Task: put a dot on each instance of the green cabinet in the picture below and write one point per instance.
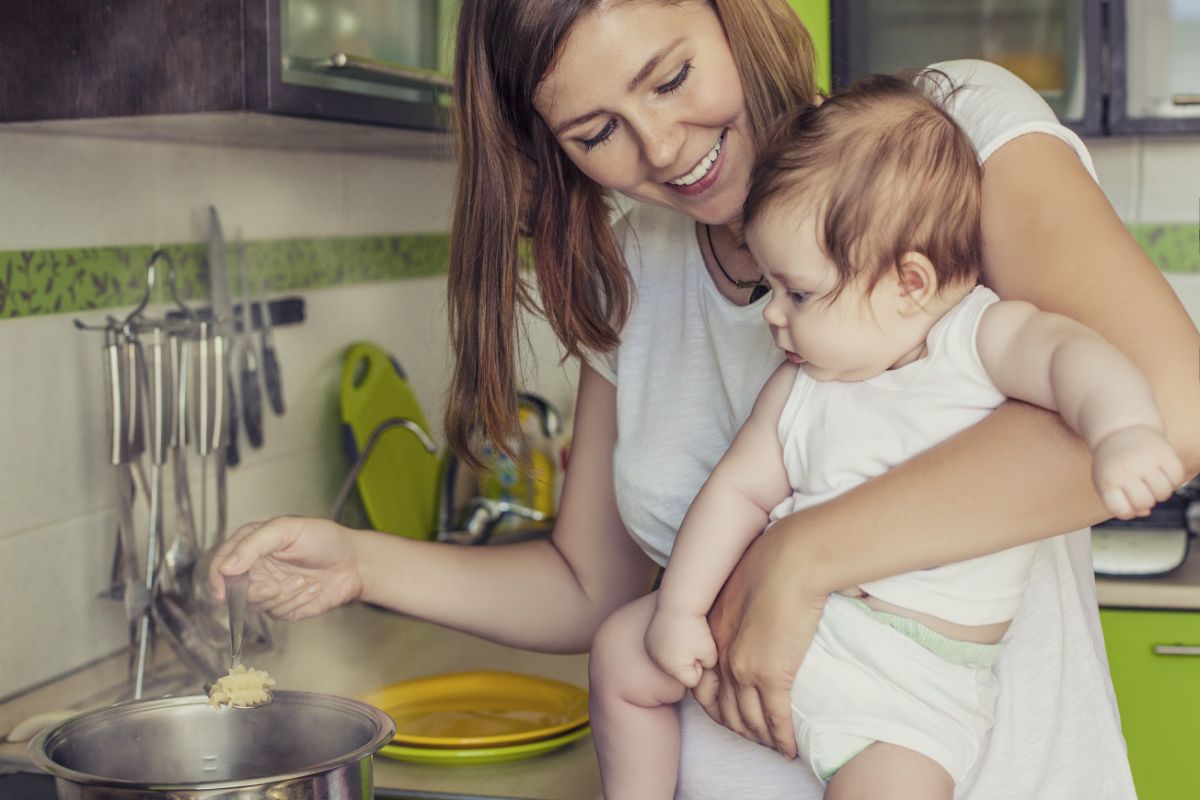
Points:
(815, 16)
(1155, 661)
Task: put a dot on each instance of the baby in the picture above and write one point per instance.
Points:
(864, 218)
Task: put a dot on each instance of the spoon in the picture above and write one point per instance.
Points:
(235, 596)
(236, 588)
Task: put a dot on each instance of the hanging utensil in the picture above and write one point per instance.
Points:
(179, 559)
(117, 386)
(156, 386)
(271, 373)
(223, 330)
(251, 388)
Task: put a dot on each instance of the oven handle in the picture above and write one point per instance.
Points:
(1176, 650)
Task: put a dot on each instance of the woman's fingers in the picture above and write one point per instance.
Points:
(751, 711)
(705, 693)
(777, 709)
(293, 601)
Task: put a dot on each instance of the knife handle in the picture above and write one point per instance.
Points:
(160, 407)
(232, 458)
(114, 401)
(252, 411)
(272, 377)
(133, 383)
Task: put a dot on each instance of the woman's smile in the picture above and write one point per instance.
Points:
(664, 120)
(704, 175)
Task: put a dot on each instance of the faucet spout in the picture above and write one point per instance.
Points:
(393, 422)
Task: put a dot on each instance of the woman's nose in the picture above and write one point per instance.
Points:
(662, 142)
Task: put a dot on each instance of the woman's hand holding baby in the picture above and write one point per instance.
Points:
(681, 645)
(1133, 468)
(299, 567)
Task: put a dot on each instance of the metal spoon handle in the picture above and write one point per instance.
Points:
(235, 595)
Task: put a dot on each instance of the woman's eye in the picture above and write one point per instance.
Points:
(675, 83)
(601, 137)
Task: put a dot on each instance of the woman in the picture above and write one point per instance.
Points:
(664, 102)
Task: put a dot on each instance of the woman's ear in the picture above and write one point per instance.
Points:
(918, 281)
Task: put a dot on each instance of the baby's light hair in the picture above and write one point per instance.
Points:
(885, 171)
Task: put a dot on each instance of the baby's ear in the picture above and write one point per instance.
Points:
(918, 281)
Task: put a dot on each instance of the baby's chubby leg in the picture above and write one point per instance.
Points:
(889, 772)
(635, 725)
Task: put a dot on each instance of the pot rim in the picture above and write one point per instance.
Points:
(39, 746)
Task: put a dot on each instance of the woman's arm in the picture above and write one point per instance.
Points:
(541, 595)
(1052, 239)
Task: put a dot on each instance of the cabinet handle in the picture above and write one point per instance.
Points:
(339, 61)
(1176, 650)
(1190, 99)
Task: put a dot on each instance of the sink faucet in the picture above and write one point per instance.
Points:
(481, 514)
(393, 422)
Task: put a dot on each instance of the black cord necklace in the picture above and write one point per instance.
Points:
(757, 286)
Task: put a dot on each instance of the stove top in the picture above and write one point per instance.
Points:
(27, 787)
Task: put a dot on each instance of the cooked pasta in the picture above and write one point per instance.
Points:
(242, 687)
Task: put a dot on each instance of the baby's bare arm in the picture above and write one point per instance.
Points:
(732, 506)
(1062, 365)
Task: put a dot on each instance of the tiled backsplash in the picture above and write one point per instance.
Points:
(363, 238)
(56, 281)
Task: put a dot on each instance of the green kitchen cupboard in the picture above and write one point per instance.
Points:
(1155, 661)
(815, 15)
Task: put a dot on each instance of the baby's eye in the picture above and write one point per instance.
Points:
(798, 297)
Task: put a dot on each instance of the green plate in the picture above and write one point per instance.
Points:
(482, 755)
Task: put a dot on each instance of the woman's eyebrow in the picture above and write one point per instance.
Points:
(643, 73)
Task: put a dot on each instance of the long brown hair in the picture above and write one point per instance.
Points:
(519, 196)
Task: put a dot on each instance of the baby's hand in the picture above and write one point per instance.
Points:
(681, 645)
(1133, 468)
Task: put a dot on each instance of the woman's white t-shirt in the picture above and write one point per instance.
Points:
(687, 373)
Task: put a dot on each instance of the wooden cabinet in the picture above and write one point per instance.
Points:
(72, 59)
(1155, 661)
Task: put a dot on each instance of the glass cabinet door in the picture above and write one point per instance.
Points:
(1155, 48)
(1045, 42)
(396, 49)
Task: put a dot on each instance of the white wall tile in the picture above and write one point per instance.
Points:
(1117, 164)
(1170, 190)
(51, 619)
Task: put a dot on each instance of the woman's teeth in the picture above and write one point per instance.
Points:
(701, 169)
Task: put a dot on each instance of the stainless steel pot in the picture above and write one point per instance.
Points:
(301, 745)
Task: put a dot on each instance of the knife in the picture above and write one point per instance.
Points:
(222, 311)
(251, 389)
(271, 374)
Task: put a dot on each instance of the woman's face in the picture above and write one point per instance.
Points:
(646, 100)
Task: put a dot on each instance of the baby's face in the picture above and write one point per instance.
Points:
(853, 336)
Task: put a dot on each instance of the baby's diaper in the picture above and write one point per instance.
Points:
(864, 680)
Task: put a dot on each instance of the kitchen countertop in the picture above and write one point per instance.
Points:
(1177, 590)
(351, 651)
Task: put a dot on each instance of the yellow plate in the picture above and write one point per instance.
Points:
(480, 709)
(482, 755)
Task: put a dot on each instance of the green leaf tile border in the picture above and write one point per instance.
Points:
(1173, 248)
(56, 281)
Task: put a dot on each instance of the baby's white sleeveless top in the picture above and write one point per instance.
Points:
(836, 435)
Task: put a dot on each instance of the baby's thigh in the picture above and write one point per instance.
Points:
(619, 666)
(889, 772)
